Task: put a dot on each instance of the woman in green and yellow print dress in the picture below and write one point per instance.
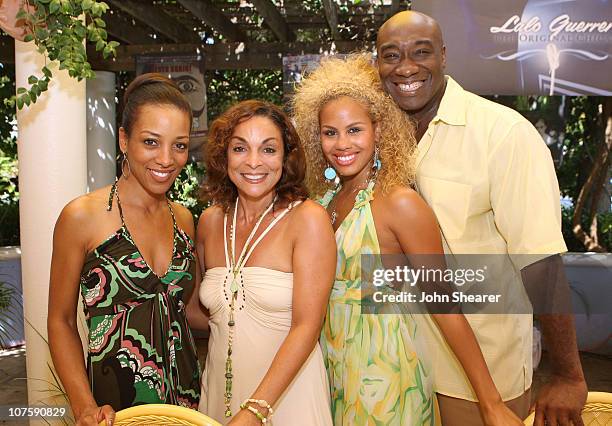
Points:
(354, 134)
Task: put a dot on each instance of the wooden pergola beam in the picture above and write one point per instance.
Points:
(157, 19)
(214, 18)
(331, 14)
(126, 32)
(223, 56)
(274, 19)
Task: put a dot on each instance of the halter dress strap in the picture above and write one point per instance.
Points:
(115, 193)
(120, 209)
(227, 261)
(111, 195)
(242, 259)
(265, 232)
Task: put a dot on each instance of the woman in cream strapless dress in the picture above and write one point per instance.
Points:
(266, 288)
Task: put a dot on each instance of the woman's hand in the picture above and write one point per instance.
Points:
(93, 415)
(245, 418)
(498, 414)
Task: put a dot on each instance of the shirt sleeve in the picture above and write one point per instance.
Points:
(525, 196)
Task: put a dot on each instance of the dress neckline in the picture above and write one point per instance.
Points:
(362, 197)
(123, 230)
(263, 268)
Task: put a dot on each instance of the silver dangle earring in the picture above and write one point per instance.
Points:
(123, 164)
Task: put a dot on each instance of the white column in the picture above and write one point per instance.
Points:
(52, 170)
(101, 133)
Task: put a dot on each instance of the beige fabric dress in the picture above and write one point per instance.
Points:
(263, 319)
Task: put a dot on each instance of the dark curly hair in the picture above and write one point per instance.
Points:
(218, 188)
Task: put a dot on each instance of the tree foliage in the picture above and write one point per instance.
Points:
(583, 166)
(9, 193)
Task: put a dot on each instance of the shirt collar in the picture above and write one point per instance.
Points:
(452, 109)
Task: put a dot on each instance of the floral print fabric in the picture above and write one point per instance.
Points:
(375, 375)
(140, 347)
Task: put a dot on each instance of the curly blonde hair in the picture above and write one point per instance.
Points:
(355, 77)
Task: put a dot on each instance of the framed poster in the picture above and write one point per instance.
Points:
(188, 72)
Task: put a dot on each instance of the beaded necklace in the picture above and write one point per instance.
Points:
(235, 272)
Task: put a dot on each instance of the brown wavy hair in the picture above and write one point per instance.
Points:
(218, 187)
(355, 77)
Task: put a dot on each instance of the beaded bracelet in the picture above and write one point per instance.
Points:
(255, 411)
(262, 403)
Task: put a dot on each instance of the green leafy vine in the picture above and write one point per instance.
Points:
(59, 28)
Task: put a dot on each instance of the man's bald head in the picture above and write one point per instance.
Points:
(410, 20)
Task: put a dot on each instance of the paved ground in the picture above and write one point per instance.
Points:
(13, 388)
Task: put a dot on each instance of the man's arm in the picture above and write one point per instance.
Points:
(562, 398)
(525, 198)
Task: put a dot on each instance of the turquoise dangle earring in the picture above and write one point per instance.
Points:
(330, 173)
(376, 164)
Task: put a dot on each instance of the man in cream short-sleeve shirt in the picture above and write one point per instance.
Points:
(490, 180)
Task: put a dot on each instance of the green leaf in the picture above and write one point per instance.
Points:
(96, 10)
(100, 44)
(80, 31)
(54, 7)
(47, 72)
(66, 7)
(28, 38)
(27, 99)
(40, 14)
(22, 14)
(33, 96)
(86, 4)
(32, 79)
(100, 22)
(113, 44)
(19, 102)
(41, 33)
(21, 90)
(43, 84)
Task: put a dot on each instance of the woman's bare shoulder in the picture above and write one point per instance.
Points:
(310, 211)
(310, 219)
(87, 207)
(183, 217)
(210, 219)
(81, 219)
(405, 202)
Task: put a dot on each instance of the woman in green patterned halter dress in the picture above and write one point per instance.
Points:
(133, 282)
(357, 138)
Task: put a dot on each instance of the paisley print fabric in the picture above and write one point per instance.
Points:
(140, 347)
(375, 375)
